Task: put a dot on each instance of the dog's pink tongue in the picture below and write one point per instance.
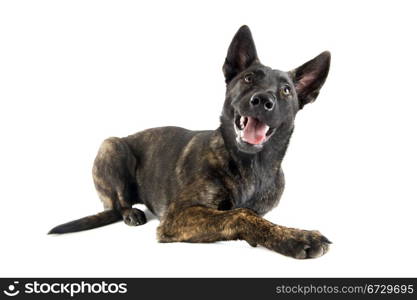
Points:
(254, 131)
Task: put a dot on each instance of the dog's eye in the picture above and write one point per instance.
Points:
(248, 78)
(285, 90)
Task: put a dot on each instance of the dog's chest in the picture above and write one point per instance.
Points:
(257, 192)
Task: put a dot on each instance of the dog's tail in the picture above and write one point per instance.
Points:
(101, 219)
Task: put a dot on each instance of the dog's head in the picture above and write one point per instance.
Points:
(261, 101)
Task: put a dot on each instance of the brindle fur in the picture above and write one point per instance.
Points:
(204, 185)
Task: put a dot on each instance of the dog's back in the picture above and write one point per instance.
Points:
(167, 157)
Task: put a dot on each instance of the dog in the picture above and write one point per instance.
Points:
(208, 186)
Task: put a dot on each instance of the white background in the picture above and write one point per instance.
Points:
(75, 72)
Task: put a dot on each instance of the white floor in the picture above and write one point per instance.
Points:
(368, 240)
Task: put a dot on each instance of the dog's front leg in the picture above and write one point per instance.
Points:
(200, 224)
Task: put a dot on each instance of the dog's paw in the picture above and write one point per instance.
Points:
(134, 217)
(301, 244)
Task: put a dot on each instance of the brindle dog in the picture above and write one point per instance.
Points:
(208, 186)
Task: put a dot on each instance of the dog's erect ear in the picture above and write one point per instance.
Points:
(310, 77)
(241, 53)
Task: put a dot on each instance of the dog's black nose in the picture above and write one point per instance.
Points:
(265, 100)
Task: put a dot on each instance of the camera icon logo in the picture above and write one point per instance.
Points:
(12, 290)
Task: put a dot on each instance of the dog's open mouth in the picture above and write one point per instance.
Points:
(252, 130)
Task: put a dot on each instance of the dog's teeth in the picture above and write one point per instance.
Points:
(266, 128)
(242, 122)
